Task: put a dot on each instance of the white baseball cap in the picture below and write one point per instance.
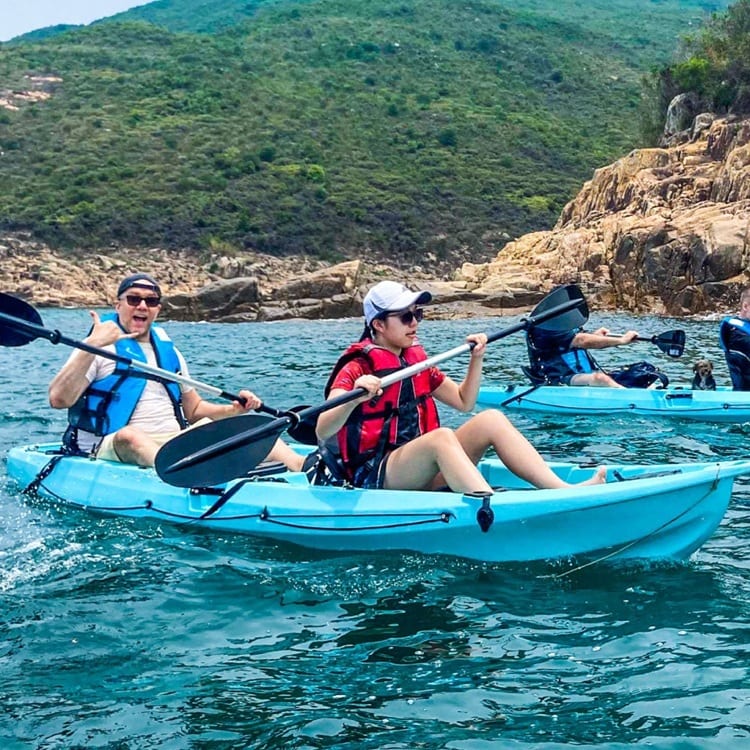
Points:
(390, 296)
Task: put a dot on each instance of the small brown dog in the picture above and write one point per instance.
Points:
(704, 378)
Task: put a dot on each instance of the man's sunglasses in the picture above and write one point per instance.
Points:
(408, 317)
(135, 299)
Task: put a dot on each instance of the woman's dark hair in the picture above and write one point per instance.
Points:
(369, 331)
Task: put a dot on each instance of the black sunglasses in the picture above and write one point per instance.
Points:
(409, 316)
(135, 299)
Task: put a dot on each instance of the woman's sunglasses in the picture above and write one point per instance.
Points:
(134, 300)
(408, 317)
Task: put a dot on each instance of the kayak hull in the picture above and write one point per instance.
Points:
(653, 512)
(721, 405)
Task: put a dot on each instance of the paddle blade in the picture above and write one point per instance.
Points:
(179, 462)
(12, 332)
(304, 431)
(568, 320)
(672, 343)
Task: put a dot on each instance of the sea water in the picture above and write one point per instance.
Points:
(127, 634)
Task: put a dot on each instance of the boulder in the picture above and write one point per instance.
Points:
(213, 301)
(327, 282)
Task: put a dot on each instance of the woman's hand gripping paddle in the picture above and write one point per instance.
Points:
(20, 324)
(195, 458)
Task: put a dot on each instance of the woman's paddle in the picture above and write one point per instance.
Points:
(20, 324)
(228, 449)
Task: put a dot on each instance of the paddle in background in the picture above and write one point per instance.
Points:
(20, 324)
(672, 343)
(228, 449)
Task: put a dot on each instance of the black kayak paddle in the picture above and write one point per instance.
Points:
(672, 343)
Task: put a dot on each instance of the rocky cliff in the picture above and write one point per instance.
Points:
(662, 230)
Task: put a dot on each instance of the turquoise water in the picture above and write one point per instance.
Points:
(125, 634)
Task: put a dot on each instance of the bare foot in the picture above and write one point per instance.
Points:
(599, 478)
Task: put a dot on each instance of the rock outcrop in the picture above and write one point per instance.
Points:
(663, 230)
(325, 293)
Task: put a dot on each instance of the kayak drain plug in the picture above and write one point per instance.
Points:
(485, 515)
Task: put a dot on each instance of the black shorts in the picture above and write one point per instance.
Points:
(371, 475)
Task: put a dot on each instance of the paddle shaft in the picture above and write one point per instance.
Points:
(650, 339)
(277, 426)
(55, 337)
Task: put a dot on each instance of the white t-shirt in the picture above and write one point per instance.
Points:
(154, 412)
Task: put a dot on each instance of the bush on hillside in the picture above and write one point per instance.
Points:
(715, 65)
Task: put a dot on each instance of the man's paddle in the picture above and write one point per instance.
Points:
(197, 458)
(20, 324)
(672, 343)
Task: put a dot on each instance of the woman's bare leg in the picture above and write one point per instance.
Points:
(414, 466)
(493, 429)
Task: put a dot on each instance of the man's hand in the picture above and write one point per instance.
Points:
(106, 333)
(252, 402)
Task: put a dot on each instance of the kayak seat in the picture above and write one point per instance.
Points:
(534, 377)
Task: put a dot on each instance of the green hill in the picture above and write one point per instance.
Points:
(326, 126)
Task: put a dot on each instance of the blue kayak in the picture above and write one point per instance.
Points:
(721, 405)
(664, 511)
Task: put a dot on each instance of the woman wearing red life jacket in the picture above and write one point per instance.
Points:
(392, 438)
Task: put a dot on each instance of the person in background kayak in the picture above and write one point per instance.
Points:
(562, 358)
(734, 337)
(121, 414)
(391, 438)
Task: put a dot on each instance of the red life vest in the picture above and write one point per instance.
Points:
(373, 427)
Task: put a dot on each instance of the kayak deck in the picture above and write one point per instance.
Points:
(721, 405)
(655, 512)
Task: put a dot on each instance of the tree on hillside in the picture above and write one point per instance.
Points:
(715, 68)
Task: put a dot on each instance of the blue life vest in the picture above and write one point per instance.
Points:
(731, 321)
(736, 350)
(551, 358)
(108, 404)
(578, 360)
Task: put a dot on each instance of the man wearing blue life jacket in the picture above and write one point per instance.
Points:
(562, 357)
(118, 413)
(734, 337)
